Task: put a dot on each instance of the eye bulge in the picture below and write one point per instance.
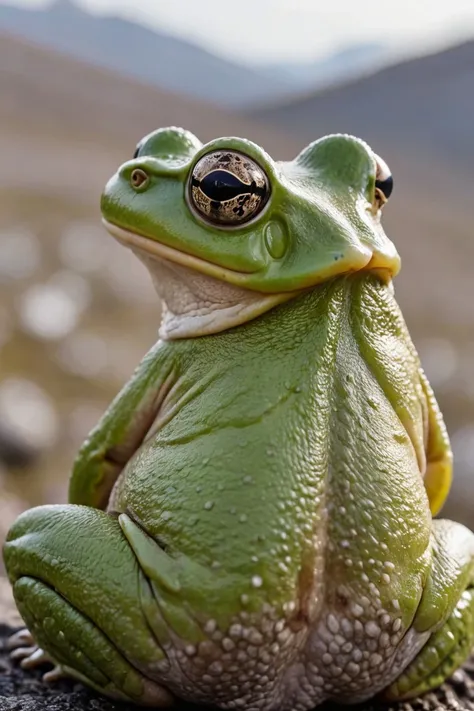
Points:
(228, 188)
(383, 178)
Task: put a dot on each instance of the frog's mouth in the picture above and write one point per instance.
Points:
(385, 265)
(162, 251)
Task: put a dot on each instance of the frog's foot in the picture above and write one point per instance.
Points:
(87, 618)
(447, 607)
(32, 656)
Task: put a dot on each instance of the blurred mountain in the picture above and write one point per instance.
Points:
(172, 63)
(342, 65)
(424, 104)
(77, 310)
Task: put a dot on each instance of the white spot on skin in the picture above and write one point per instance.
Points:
(236, 630)
(210, 626)
(375, 660)
(333, 624)
(357, 610)
(280, 626)
(255, 637)
(372, 629)
(257, 581)
(385, 579)
(190, 650)
(353, 669)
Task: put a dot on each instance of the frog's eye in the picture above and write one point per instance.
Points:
(228, 188)
(383, 180)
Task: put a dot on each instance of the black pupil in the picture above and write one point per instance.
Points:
(220, 185)
(386, 186)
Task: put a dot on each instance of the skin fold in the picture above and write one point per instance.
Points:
(250, 524)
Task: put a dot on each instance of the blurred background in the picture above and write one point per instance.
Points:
(81, 82)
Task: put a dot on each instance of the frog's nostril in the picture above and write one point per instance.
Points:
(139, 179)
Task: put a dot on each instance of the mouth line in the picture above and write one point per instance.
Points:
(162, 251)
(151, 248)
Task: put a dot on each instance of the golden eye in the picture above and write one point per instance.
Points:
(383, 180)
(228, 188)
(138, 178)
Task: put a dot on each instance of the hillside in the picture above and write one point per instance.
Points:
(175, 64)
(134, 50)
(424, 104)
(77, 311)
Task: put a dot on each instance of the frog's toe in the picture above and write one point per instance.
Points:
(77, 592)
(22, 638)
(30, 657)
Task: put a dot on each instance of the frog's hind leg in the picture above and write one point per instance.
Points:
(447, 610)
(76, 584)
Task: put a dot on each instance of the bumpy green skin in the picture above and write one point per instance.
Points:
(249, 524)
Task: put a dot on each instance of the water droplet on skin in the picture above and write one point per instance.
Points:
(208, 505)
(257, 581)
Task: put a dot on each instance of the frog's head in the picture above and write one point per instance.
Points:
(228, 211)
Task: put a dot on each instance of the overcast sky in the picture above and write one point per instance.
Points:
(273, 30)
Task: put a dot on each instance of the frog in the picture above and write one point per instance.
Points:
(252, 523)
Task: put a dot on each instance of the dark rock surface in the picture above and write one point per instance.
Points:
(24, 691)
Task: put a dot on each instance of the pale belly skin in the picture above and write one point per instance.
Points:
(287, 495)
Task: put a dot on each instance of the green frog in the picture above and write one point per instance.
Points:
(250, 524)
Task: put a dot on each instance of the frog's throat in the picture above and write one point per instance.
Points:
(200, 298)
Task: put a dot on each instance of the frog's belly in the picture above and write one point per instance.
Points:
(209, 498)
